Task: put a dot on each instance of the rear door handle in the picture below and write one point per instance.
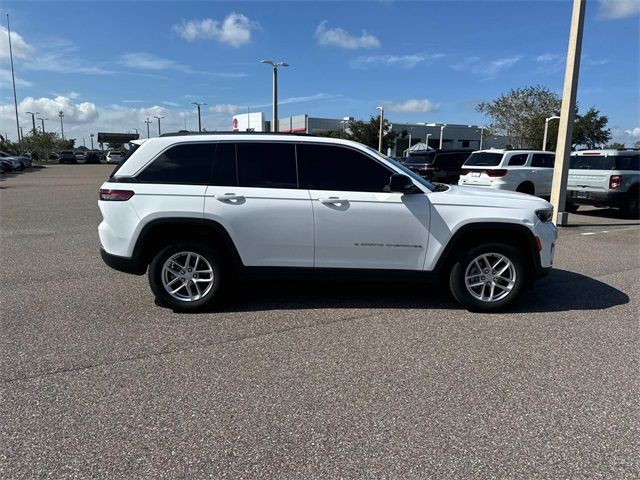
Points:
(333, 200)
(229, 196)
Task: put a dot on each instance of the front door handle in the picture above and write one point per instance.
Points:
(333, 200)
(229, 196)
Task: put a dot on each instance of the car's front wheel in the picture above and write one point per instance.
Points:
(186, 276)
(488, 277)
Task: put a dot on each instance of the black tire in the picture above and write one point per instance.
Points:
(631, 208)
(571, 207)
(164, 298)
(526, 187)
(458, 273)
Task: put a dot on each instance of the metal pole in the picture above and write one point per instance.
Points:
(248, 120)
(381, 128)
(91, 135)
(482, 136)
(13, 78)
(42, 121)
(441, 135)
(148, 122)
(567, 113)
(546, 128)
(61, 114)
(428, 135)
(159, 132)
(199, 120)
(274, 120)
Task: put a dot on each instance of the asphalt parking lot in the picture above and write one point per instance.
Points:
(307, 381)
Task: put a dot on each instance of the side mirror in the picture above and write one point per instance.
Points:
(400, 183)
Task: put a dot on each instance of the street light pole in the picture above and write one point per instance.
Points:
(567, 113)
(546, 128)
(381, 125)
(155, 116)
(427, 141)
(91, 135)
(481, 137)
(61, 115)
(42, 120)
(442, 134)
(148, 122)
(199, 120)
(275, 65)
(33, 120)
(13, 78)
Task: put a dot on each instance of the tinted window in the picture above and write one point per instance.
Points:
(270, 165)
(224, 170)
(328, 167)
(544, 160)
(483, 159)
(592, 162)
(628, 163)
(426, 157)
(519, 159)
(450, 160)
(182, 164)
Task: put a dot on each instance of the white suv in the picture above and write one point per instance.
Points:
(525, 171)
(195, 210)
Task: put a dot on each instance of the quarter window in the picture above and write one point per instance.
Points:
(267, 165)
(543, 160)
(517, 160)
(182, 164)
(329, 167)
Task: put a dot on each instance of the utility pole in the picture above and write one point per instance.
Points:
(13, 78)
(199, 119)
(148, 122)
(91, 135)
(61, 115)
(381, 128)
(42, 120)
(275, 65)
(481, 137)
(567, 113)
(546, 128)
(33, 120)
(442, 134)
(158, 117)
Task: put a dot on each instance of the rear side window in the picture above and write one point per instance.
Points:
(592, 162)
(187, 164)
(224, 171)
(543, 160)
(628, 163)
(519, 159)
(267, 165)
(483, 159)
(329, 167)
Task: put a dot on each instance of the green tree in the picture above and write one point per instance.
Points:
(520, 114)
(614, 146)
(44, 144)
(368, 132)
(589, 130)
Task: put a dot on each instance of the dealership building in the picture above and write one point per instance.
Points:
(436, 135)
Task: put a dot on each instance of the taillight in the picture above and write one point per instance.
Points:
(496, 172)
(115, 195)
(464, 172)
(615, 181)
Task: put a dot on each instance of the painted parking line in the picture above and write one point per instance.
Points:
(615, 230)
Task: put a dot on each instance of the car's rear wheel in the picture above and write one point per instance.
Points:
(526, 187)
(186, 276)
(488, 277)
(631, 208)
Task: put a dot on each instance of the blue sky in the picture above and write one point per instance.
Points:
(109, 65)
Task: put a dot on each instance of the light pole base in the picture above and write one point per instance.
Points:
(562, 219)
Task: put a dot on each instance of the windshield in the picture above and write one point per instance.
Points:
(483, 159)
(430, 186)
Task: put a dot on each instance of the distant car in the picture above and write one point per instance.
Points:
(67, 156)
(18, 162)
(438, 165)
(114, 157)
(605, 178)
(525, 171)
(91, 157)
(79, 155)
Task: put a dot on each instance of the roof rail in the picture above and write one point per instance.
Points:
(180, 133)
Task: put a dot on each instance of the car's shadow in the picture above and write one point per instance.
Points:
(616, 216)
(560, 291)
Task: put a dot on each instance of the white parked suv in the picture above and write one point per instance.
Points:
(195, 210)
(114, 157)
(525, 171)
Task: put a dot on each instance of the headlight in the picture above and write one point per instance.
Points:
(545, 215)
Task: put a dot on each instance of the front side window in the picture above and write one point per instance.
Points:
(186, 164)
(330, 167)
(543, 160)
(266, 165)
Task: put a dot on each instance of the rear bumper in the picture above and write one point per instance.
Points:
(123, 264)
(607, 199)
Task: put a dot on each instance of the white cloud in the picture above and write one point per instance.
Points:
(550, 58)
(147, 61)
(5, 79)
(20, 48)
(401, 61)
(337, 37)
(74, 113)
(411, 106)
(235, 29)
(486, 69)
(635, 132)
(170, 104)
(224, 108)
(132, 101)
(59, 56)
(613, 9)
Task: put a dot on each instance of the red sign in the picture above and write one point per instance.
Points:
(235, 124)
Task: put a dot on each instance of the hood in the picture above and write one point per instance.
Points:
(486, 197)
